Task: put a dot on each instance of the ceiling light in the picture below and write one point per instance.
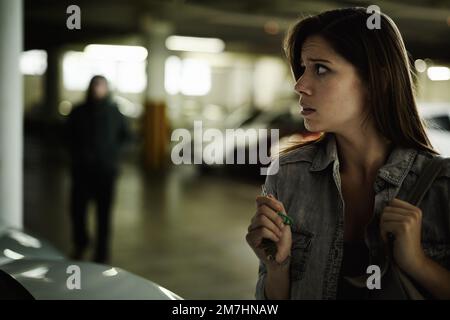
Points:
(438, 73)
(210, 45)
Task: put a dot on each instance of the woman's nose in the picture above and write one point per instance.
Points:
(302, 87)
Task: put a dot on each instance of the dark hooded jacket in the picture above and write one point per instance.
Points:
(96, 131)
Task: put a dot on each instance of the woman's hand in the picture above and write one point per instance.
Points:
(267, 224)
(404, 221)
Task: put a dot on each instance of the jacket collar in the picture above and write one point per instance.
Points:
(393, 171)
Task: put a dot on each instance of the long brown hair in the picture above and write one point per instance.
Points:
(90, 91)
(381, 60)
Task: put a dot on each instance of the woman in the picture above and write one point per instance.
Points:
(344, 190)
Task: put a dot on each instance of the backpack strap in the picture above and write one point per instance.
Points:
(427, 176)
(425, 180)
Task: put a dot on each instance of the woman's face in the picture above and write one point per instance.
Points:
(331, 86)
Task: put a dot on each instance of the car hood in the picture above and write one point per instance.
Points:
(53, 280)
(17, 245)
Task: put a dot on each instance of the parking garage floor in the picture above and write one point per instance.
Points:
(180, 229)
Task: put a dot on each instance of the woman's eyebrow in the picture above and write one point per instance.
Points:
(316, 60)
(319, 60)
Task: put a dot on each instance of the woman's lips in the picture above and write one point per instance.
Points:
(307, 111)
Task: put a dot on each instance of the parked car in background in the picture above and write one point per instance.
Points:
(241, 117)
(437, 119)
(287, 121)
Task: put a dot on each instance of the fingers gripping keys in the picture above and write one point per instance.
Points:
(269, 246)
(286, 219)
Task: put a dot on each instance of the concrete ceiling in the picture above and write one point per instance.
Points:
(425, 24)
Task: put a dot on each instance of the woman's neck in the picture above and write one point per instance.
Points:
(362, 153)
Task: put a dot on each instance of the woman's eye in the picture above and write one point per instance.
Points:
(321, 69)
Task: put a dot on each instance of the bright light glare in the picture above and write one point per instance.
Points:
(131, 77)
(33, 62)
(179, 43)
(12, 254)
(438, 73)
(24, 239)
(76, 71)
(36, 273)
(110, 272)
(117, 53)
(124, 69)
(421, 65)
(191, 77)
(172, 73)
(170, 294)
(195, 78)
(65, 107)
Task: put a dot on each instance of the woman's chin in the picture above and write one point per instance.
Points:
(313, 128)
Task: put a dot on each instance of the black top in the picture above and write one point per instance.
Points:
(95, 134)
(355, 262)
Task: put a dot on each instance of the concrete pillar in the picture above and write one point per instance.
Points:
(156, 33)
(156, 135)
(52, 85)
(11, 114)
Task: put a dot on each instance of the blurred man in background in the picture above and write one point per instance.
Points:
(96, 132)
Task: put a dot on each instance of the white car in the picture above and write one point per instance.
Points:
(437, 118)
(31, 268)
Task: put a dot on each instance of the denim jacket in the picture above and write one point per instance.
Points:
(308, 184)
